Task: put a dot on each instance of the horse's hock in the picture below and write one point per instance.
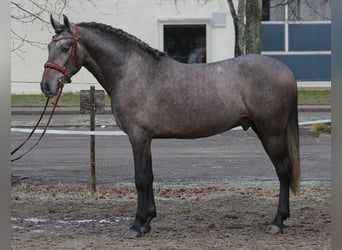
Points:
(85, 101)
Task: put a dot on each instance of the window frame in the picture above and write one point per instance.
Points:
(195, 21)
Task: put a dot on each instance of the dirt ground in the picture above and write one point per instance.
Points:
(212, 217)
(210, 194)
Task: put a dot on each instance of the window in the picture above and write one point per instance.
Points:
(309, 10)
(296, 10)
(273, 10)
(186, 43)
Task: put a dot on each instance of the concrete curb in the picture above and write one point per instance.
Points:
(314, 108)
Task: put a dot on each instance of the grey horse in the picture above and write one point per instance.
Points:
(154, 96)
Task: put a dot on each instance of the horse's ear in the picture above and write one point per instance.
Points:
(66, 23)
(56, 25)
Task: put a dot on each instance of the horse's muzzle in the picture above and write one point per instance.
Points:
(47, 90)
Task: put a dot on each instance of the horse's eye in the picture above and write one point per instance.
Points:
(65, 49)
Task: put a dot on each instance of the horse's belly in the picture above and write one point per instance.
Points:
(196, 127)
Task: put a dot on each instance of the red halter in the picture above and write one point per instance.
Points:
(66, 69)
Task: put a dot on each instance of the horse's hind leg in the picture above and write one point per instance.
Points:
(146, 209)
(276, 147)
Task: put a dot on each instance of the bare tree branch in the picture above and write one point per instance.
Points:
(30, 13)
(33, 12)
(64, 3)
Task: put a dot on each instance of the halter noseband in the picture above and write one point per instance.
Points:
(66, 69)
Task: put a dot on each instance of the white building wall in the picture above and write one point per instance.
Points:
(142, 18)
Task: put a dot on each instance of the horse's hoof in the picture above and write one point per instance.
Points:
(132, 234)
(144, 229)
(273, 229)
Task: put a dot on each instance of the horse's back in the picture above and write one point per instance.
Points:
(252, 82)
(260, 70)
(192, 101)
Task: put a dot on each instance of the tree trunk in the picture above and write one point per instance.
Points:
(253, 26)
(239, 26)
(242, 27)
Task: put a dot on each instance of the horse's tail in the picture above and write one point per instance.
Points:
(293, 148)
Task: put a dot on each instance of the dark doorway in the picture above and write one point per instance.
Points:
(186, 43)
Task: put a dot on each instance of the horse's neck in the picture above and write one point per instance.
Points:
(111, 61)
(103, 64)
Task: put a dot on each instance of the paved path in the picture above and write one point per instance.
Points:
(234, 157)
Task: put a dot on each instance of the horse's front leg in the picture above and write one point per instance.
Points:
(146, 209)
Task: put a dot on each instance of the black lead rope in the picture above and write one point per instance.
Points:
(33, 130)
(35, 127)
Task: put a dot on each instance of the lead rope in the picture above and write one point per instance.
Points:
(35, 127)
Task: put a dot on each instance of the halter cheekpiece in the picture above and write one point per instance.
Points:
(66, 69)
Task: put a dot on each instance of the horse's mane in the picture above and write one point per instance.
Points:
(124, 36)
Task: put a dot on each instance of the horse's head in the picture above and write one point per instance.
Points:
(65, 57)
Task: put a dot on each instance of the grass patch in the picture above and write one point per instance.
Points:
(314, 96)
(68, 99)
(304, 97)
(27, 100)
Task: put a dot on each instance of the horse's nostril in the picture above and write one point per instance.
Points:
(45, 88)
